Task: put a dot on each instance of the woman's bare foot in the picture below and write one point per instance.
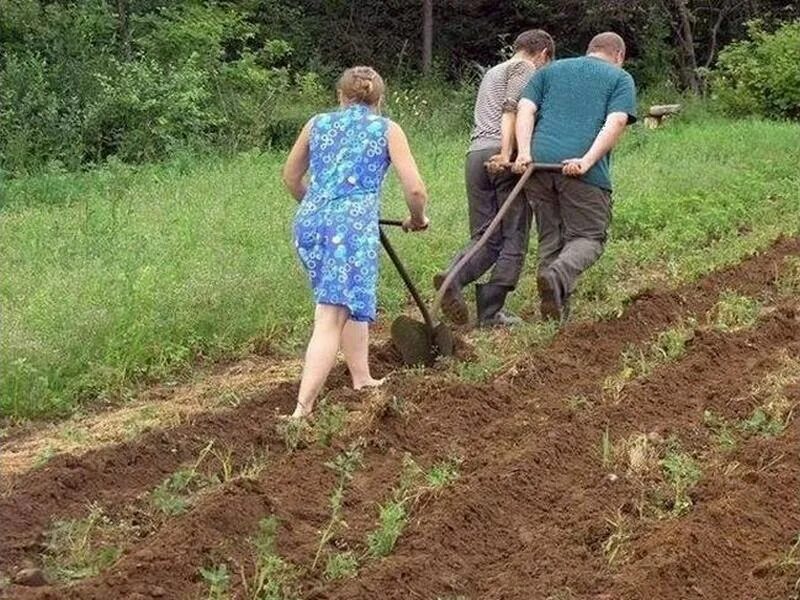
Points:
(302, 410)
(368, 383)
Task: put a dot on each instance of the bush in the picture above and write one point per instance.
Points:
(759, 76)
(192, 75)
(146, 111)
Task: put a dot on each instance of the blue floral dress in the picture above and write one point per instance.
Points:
(336, 227)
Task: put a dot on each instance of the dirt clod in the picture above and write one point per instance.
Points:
(30, 577)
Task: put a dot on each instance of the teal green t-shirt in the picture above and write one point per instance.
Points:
(574, 96)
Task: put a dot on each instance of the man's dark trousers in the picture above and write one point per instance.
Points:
(507, 247)
(572, 219)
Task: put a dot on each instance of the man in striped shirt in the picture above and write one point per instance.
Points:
(493, 140)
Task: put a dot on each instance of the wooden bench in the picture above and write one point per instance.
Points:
(658, 113)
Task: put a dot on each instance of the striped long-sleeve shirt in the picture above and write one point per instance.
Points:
(499, 92)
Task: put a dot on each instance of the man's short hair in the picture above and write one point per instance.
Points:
(534, 41)
(607, 43)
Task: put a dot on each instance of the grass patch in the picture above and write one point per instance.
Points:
(681, 473)
(329, 421)
(486, 363)
(341, 565)
(392, 519)
(294, 432)
(274, 578)
(774, 410)
(640, 361)
(107, 285)
(82, 548)
(734, 312)
(788, 281)
(764, 422)
(414, 483)
(173, 496)
(344, 465)
(218, 580)
(44, 456)
(723, 433)
(442, 474)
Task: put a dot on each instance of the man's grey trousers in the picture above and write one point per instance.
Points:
(507, 247)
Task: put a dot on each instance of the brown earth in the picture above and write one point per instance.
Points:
(534, 506)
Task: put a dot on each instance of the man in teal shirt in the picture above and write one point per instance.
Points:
(580, 108)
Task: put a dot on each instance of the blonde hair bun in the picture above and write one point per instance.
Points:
(361, 85)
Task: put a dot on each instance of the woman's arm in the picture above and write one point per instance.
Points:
(297, 165)
(413, 187)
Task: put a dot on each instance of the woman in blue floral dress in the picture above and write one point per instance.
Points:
(346, 155)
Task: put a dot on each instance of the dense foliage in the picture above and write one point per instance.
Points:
(82, 81)
(761, 75)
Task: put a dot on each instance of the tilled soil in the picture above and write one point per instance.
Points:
(534, 508)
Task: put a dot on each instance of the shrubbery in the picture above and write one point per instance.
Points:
(189, 76)
(760, 76)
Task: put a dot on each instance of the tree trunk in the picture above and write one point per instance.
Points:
(122, 30)
(686, 37)
(427, 36)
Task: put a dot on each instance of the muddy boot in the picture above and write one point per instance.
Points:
(454, 306)
(551, 296)
(489, 299)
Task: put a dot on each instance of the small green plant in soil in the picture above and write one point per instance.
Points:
(254, 465)
(344, 465)
(442, 474)
(82, 548)
(640, 361)
(329, 422)
(393, 514)
(721, 430)
(392, 520)
(734, 312)
(173, 495)
(294, 432)
(218, 580)
(681, 473)
(487, 363)
(341, 565)
(670, 344)
(764, 423)
(274, 578)
(579, 402)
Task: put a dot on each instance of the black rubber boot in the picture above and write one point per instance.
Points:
(489, 298)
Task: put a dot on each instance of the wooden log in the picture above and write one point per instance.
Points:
(659, 111)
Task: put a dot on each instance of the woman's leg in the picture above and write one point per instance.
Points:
(355, 346)
(329, 320)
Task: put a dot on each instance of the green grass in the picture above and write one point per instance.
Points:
(121, 276)
(734, 312)
(682, 473)
(82, 548)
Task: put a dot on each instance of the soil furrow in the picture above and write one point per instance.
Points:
(520, 424)
(536, 510)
